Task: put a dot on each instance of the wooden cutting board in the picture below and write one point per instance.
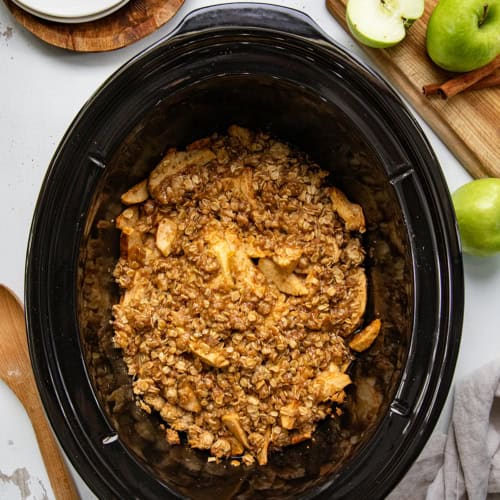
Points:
(469, 123)
(129, 24)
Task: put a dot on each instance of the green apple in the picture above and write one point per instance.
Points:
(477, 207)
(382, 23)
(463, 35)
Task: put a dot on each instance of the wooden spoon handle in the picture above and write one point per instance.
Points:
(18, 374)
(59, 475)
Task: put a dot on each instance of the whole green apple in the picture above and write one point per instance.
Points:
(477, 207)
(463, 35)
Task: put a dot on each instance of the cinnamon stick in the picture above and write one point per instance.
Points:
(464, 81)
(431, 89)
(485, 83)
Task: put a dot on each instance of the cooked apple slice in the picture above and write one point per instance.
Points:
(222, 251)
(215, 357)
(264, 447)
(233, 424)
(285, 281)
(382, 23)
(287, 258)
(127, 221)
(187, 398)
(288, 415)
(131, 246)
(329, 385)
(350, 213)
(357, 285)
(136, 194)
(173, 164)
(166, 234)
(365, 338)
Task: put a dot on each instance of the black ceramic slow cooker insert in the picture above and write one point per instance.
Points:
(266, 68)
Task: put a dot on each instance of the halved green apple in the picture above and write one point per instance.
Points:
(382, 23)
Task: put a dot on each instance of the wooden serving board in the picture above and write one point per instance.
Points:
(129, 24)
(469, 123)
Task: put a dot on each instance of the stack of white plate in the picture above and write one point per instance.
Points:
(70, 11)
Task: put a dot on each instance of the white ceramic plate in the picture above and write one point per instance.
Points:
(112, 6)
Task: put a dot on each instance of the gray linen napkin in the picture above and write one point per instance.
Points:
(465, 463)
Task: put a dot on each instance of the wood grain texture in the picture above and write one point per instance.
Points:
(469, 123)
(16, 372)
(127, 25)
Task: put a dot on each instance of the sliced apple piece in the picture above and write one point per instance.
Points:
(329, 385)
(127, 221)
(222, 251)
(285, 281)
(288, 415)
(233, 424)
(357, 284)
(173, 164)
(287, 258)
(263, 449)
(131, 246)
(365, 338)
(215, 357)
(382, 23)
(166, 234)
(350, 213)
(187, 398)
(136, 194)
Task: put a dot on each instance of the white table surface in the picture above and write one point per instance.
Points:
(41, 90)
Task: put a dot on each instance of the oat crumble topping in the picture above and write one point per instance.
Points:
(242, 291)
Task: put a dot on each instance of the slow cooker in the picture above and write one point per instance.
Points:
(267, 68)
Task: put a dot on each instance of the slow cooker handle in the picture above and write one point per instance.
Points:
(249, 15)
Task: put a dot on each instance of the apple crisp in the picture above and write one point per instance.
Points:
(242, 294)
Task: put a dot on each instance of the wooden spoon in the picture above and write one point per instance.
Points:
(16, 372)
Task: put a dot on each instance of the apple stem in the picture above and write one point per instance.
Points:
(484, 15)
